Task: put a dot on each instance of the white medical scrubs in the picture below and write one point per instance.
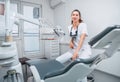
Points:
(85, 50)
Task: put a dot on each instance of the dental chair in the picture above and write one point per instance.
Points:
(53, 71)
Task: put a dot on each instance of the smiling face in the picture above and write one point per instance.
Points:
(75, 16)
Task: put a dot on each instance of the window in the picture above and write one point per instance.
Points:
(28, 33)
(31, 31)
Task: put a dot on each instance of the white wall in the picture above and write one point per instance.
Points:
(98, 14)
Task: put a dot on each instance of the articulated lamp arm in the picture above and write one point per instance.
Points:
(22, 17)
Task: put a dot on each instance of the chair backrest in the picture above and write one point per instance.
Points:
(102, 34)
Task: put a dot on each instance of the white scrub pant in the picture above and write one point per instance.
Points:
(84, 80)
(68, 55)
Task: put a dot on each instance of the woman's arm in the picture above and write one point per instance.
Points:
(82, 38)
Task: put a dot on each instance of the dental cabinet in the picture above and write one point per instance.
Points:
(51, 49)
(64, 47)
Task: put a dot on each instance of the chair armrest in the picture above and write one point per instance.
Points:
(88, 60)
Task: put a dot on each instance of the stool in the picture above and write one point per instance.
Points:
(22, 61)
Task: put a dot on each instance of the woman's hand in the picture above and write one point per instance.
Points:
(75, 56)
(71, 45)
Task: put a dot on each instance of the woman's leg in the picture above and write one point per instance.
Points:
(64, 57)
(85, 54)
(83, 80)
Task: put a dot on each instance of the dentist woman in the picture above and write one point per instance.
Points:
(79, 47)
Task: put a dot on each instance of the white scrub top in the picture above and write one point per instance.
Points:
(82, 28)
